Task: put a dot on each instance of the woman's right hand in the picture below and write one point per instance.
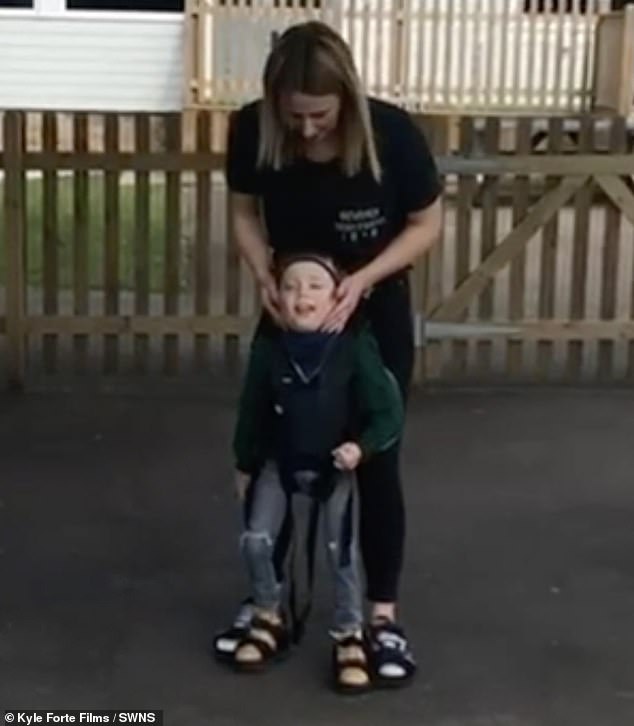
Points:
(269, 297)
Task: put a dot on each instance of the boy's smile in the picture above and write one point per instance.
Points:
(304, 309)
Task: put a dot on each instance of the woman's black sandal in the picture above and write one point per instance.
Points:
(271, 641)
(350, 668)
(393, 664)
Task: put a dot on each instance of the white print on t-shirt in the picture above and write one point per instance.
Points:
(354, 225)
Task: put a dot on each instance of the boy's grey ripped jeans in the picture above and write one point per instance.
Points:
(265, 518)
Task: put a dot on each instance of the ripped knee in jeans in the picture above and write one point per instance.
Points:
(256, 543)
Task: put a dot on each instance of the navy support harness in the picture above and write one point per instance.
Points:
(314, 413)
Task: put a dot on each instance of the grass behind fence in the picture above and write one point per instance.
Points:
(96, 222)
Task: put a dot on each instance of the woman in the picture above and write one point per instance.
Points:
(316, 165)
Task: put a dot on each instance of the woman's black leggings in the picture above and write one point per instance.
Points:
(382, 511)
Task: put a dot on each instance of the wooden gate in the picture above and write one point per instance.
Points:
(116, 254)
(538, 237)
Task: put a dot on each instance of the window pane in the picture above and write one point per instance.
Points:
(553, 6)
(16, 3)
(169, 6)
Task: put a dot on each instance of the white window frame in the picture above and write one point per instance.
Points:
(57, 9)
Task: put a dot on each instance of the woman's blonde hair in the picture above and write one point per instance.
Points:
(312, 58)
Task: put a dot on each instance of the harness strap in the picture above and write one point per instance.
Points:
(300, 604)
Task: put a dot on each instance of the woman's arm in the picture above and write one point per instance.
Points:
(245, 188)
(249, 236)
(421, 232)
(418, 189)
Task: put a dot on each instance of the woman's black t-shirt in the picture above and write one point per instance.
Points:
(311, 205)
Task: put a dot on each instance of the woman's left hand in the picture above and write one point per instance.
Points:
(348, 294)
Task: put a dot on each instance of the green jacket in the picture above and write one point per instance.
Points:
(377, 400)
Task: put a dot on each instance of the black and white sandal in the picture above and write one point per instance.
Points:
(226, 641)
(392, 661)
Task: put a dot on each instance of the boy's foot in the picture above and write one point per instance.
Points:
(392, 661)
(226, 641)
(267, 640)
(350, 668)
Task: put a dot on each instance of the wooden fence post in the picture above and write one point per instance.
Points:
(14, 235)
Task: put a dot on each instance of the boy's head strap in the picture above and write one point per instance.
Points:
(324, 262)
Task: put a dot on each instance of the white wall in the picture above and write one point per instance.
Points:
(95, 61)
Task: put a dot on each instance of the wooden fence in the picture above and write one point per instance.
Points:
(434, 56)
(114, 254)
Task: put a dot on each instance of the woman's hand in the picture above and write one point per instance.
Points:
(270, 299)
(241, 481)
(351, 289)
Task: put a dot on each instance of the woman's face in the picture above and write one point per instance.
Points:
(313, 118)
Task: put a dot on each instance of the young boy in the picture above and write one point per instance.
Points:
(314, 406)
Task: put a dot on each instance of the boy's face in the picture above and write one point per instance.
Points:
(307, 295)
